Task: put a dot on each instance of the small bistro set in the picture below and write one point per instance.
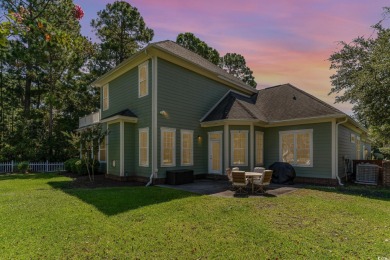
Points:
(256, 180)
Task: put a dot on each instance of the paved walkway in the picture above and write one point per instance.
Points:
(222, 188)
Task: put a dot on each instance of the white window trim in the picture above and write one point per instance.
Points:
(262, 148)
(295, 132)
(162, 130)
(108, 97)
(145, 64)
(182, 132)
(143, 130)
(232, 132)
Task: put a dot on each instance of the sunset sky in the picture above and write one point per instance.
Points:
(283, 41)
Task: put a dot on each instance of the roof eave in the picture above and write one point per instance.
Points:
(232, 122)
(305, 120)
(117, 118)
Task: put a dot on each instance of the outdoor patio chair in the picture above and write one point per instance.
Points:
(228, 172)
(239, 181)
(264, 181)
(259, 170)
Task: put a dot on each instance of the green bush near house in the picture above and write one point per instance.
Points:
(70, 165)
(78, 166)
(23, 167)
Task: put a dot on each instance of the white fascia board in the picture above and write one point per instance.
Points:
(118, 118)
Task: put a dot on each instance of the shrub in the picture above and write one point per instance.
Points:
(82, 167)
(23, 167)
(70, 165)
(385, 151)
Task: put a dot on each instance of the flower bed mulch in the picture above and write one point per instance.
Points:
(99, 182)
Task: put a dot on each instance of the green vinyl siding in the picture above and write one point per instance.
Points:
(123, 94)
(186, 97)
(129, 149)
(322, 149)
(347, 149)
(114, 149)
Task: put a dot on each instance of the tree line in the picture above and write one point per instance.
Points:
(47, 65)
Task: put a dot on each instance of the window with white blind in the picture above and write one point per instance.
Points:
(296, 147)
(358, 151)
(168, 145)
(259, 148)
(239, 147)
(143, 141)
(187, 146)
(105, 97)
(102, 150)
(143, 79)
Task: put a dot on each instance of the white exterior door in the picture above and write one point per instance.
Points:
(215, 152)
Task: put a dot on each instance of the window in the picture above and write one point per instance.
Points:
(143, 142)
(143, 79)
(168, 152)
(353, 138)
(296, 147)
(358, 148)
(102, 150)
(239, 147)
(187, 145)
(105, 97)
(259, 148)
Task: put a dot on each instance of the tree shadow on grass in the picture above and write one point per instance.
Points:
(371, 192)
(116, 200)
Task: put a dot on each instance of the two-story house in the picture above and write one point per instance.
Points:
(168, 108)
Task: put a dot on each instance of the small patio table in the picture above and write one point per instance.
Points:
(251, 176)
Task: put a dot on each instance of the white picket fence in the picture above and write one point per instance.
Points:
(8, 167)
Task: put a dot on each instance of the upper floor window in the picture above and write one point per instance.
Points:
(143, 79)
(259, 148)
(296, 147)
(187, 147)
(239, 147)
(105, 97)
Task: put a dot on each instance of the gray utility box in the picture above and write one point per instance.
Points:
(176, 177)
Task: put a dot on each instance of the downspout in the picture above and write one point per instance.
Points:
(337, 150)
(154, 170)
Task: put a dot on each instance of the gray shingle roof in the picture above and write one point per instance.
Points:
(126, 112)
(278, 103)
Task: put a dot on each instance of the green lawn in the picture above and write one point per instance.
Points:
(41, 218)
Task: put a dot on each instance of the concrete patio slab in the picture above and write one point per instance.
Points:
(222, 188)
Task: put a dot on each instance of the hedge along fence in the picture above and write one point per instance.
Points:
(12, 166)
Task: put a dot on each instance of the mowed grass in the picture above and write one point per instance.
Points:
(41, 218)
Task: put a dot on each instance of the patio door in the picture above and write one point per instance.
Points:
(215, 152)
